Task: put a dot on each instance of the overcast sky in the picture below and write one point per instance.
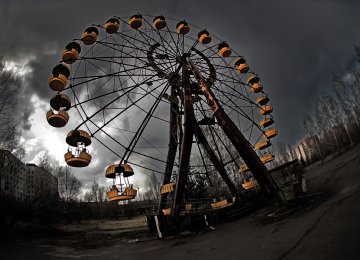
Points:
(294, 46)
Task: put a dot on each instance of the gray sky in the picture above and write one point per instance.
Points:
(294, 46)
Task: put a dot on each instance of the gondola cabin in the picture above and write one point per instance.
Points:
(58, 119)
(135, 21)
(182, 27)
(243, 168)
(224, 50)
(250, 184)
(60, 102)
(261, 101)
(115, 194)
(266, 122)
(241, 66)
(90, 35)
(78, 136)
(166, 211)
(81, 159)
(267, 158)
(255, 84)
(270, 133)
(159, 22)
(78, 157)
(261, 145)
(204, 37)
(125, 169)
(219, 204)
(252, 79)
(59, 78)
(71, 53)
(265, 110)
(223, 203)
(166, 188)
(256, 87)
(112, 25)
(188, 207)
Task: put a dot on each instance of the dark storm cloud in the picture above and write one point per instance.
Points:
(41, 29)
(294, 46)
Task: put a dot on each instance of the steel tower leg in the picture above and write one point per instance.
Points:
(186, 142)
(235, 136)
(173, 137)
(215, 160)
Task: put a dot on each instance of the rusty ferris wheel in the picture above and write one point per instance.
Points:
(158, 92)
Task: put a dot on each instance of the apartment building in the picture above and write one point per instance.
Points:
(24, 182)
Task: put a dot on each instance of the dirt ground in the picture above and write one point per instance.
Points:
(326, 228)
(136, 222)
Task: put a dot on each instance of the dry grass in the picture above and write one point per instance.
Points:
(106, 225)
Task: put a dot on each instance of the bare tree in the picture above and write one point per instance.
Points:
(10, 86)
(154, 185)
(69, 185)
(97, 196)
(309, 125)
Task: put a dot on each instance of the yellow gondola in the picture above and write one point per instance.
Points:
(182, 27)
(166, 211)
(82, 160)
(135, 21)
(204, 37)
(266, 122)
(255, 84)
(169, 187)
(58, 119)
(125, 169)
(71, 53)
(78, 136)
(60, 101)
(59, 78)
(159, 22)
(243, 168)
(224, 50)
(262, 145)
(90, 35)
(115, 195)
(250, 184)
(252, 79)
(265, 110)
(262, 100)
(188, 207)
(267, 158)
(241, 65)
(112, 25)
(256, 88)
(221, 204)
(79, 157)
(270, 133)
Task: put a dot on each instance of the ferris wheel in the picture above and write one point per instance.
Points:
(165, 97)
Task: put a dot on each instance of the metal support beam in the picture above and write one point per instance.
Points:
(186, 142)
(173, 137)
(235, 136)
(215, 160)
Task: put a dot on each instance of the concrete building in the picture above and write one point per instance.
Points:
(40, 182)
(24, 182)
